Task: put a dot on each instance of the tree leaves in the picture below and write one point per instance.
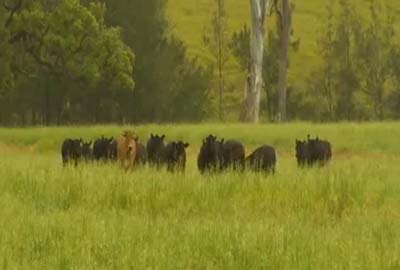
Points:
(70, 40)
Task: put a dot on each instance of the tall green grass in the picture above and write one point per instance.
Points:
(344, 216)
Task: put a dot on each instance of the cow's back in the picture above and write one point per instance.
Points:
(233, 154)
(263, 158)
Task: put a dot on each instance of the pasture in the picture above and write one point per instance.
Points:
(95, 216)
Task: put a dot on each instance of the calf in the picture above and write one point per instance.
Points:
(210, 155)
(233, 155)
(175, 156)
(155, 150)
(126, 149)
(71, 150)
(262, 159)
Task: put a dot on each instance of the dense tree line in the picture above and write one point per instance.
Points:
(104, 61)
(358, 78)
(71, 61)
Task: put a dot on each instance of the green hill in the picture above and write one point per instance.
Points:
(189, 18)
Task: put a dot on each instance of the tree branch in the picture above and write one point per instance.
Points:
(80, 46)
(12, 11)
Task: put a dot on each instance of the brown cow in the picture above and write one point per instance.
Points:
(126, 149)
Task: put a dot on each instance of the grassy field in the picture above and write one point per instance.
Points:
(344, 216)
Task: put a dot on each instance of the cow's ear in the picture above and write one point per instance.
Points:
(222, 141)
(163, 137)
(90, 143)
(136, 138)
(151, 135)
(186, 145)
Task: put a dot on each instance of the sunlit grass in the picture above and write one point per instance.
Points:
(344, 216)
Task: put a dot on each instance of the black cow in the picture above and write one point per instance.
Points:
(155, 150)
(175, 156)
(87, 153)
(320, 151)
(233, 155)
(210, 155)
(112, 151)
(101, 148)
(141, 154)
(71, 151)
(312, 152)
(302, 153)
(263, 159)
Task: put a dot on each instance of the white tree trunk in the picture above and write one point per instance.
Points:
(254, 82)
(284, 36)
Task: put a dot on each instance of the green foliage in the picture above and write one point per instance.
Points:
(354, 79)
(52, 49)
(97, 216)
(375, 50)
(163, 71)
(78, 62)
(68, 40)
(216, 40)
(240, 45)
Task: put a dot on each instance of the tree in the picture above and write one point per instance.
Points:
(240, 47)
(271, 75)
(322, 81)
(284, 25)
(161, 63)
(60, 44)
(375, 44)
(251, 104)
(217, 43)
(334, 85)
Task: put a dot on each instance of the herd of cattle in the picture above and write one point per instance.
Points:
(215, 154)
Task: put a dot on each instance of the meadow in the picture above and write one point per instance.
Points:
(343, 216)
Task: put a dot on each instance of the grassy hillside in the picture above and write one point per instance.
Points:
(344, 216)
(189, 18)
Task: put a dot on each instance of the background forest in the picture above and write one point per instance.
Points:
(134, 61)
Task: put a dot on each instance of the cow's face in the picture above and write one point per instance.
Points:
(131, 145)
(302, 152)
(155, 146)
(213, 148)
(112, 150)
(77, 148)
(87, 150)
(178, 149)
